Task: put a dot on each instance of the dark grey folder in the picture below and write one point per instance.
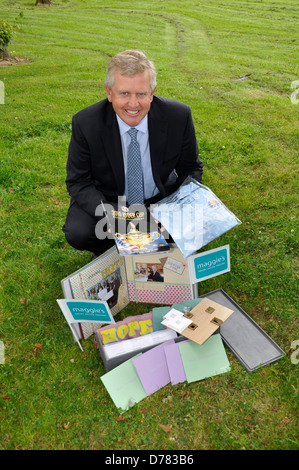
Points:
(244, 337)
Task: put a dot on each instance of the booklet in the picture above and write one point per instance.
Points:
(206, 360)
(124, 386)
(152, 369)
(135, 231)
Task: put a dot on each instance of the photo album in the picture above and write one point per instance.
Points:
(115, 281)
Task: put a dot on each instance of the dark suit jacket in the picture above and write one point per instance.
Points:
(95, 169)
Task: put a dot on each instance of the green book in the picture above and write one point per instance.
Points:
(205, 360)
(123, 385)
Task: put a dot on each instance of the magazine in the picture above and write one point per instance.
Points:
(134, 229)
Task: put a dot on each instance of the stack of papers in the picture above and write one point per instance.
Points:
(135, 344)
(170, 362)
(160, 312)
(176, 320)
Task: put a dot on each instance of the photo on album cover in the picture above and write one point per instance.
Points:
(148, 272)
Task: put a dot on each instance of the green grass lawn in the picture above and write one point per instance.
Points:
(51, 395)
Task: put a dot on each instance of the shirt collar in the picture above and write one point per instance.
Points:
(123, 127)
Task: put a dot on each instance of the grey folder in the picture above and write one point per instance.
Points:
(244, 337)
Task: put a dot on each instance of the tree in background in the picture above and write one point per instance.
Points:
(43, 2)
(6, 34)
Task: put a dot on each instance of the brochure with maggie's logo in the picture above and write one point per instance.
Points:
(207, 264)
(92, 311)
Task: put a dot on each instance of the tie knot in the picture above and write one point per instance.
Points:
(132, 133)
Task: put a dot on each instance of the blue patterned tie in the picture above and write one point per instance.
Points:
(134, 170)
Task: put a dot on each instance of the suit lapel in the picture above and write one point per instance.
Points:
(113, 148)
(157, 127)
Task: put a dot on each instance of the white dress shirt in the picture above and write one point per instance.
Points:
(149, 186)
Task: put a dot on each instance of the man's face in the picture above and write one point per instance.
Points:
(131, 97)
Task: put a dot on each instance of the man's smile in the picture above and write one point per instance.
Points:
(133, 113)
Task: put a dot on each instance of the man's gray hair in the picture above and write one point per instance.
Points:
(130, 63)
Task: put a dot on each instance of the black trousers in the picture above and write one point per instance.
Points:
(80, 231)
